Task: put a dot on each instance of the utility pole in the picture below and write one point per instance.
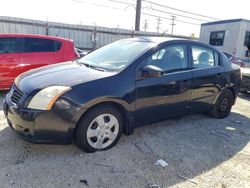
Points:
(158, 24)
(138, 15)
(47, 26)
(145, 26)
(173, 24)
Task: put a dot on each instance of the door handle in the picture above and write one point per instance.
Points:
(219, 75)
(172, 83)
(10, 59)
(186, 81)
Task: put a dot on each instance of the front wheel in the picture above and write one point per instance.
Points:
(99, 129)
(223, 105)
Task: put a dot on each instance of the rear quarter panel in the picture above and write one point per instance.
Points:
(69, 53)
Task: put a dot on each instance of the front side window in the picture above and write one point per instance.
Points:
(170, 59)
(8, 45)
(217, 38)
(204, 57)
(41, 45)
(247, 38)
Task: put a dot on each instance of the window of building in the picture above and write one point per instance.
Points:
(217, 38)
(247, 38)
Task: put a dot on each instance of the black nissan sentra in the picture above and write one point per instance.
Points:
(118, 87)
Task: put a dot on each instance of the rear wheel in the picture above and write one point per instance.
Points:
(99, 129)
(223, 105)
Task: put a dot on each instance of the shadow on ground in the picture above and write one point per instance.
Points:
(191, 145)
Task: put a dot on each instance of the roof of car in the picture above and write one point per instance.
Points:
(158, 40)
(35, 36)
(153, 39)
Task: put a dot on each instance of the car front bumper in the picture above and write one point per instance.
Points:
(53, 126)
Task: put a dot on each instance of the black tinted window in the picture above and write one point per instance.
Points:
(41, 45)
(204, 57)
(8, 45)
(171, 58)
(217, 38)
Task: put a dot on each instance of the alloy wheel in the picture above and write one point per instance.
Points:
(102, 131)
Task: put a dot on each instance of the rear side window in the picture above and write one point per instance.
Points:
(41, 45)
(204, 57)
(8, 45)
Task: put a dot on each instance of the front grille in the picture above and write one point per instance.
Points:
(16, 94)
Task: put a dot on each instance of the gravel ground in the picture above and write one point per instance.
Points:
(208, 152)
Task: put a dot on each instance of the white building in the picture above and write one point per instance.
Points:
(229, 36)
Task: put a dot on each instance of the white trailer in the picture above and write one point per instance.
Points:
(229, 36)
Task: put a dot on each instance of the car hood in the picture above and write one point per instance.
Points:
(62, 74)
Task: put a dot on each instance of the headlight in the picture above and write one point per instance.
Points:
(45, 98)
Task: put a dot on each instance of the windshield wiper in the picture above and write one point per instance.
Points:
(93, 67)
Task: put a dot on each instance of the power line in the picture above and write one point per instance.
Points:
(157, 16)
(184, 11)
(122, 2)
(166, 12)
(96, 4)
(189, 17)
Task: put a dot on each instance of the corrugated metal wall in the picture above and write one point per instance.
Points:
(82, 35)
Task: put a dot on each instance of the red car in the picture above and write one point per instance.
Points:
(22, 52)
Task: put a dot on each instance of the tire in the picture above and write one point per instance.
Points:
(100, 129)
(223, 105)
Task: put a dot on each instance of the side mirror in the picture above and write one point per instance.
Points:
(150, 71)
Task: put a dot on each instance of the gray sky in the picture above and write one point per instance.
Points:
(112, 14)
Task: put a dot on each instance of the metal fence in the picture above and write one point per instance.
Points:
(84, 37)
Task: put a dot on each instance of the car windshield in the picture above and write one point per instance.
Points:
(115, 56)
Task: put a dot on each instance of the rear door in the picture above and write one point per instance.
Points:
(208, 76)
(9, 61)
(169, 95)
(40, 52)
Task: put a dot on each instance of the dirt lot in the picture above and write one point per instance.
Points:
(209, 152)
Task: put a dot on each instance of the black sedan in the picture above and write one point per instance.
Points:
(118, 87)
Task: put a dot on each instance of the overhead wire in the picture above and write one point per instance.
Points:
(180, 10)
(156, 16)
(155, 10)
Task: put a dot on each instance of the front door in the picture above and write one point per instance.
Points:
(161, 97)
